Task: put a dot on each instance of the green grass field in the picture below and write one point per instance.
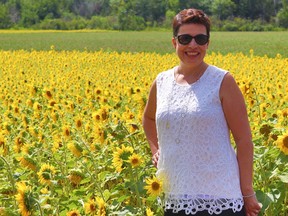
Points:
(263, 43)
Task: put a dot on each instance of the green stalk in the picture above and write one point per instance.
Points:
(93, 175)
(39, 207)
(10, 176)
(135, 179)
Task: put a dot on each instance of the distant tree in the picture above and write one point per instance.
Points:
(151, 10)
(4, 18)
(223, 8)
(48, 8)
(14, 10)
(169, 18)
(29, 16)
(205, 5)
(282, 15)
(127, 17)
(242, 8)
(134, 14)
(103, 7)
(184, 4)
(172, 5)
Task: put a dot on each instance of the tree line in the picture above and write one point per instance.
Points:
(228, 15)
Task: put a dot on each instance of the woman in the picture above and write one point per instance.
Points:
(189, 113)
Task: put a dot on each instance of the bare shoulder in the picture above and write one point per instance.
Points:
(229, 87)
(228, 81)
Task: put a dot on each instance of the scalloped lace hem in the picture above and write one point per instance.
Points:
(194, 204)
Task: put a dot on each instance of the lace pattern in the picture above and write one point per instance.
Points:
(194, 204)
(196, 155)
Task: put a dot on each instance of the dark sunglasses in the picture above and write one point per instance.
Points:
(200, 39)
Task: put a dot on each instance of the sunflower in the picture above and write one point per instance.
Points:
(90, 207)
(44, 191)
(135, 160)
(66, 131)
(73, 213)
(75, 148)
(48, 94)
(24, 199)
(29, 103)
(104, 112)
(27, 162)
(33, 90)
(37, 106)
(153, 186)
(98, 91)
(149, 212)
(101, 206)
(78, 123)
(70, 106)
(285, 113)
(3, 146)
(19, 142)
(46, 174)
(100, 133)
(79, 99)
(76, 177)
(120, 156)
(28, 148)
(96, 116)
(52, 103)
(282, 142)
(265, 129)
(2, 211)
(57, 144)
(16, 109)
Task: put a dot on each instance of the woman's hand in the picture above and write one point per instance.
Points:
(252, 206)
(155, 158)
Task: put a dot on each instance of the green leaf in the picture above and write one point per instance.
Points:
(79, 193)
(263, 198)
(283, 178)
(46, 206)
(106, 194)
(122, 198)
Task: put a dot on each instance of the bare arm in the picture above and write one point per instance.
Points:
(148, 121)
(236, 115)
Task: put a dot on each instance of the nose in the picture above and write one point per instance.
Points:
(193, 43)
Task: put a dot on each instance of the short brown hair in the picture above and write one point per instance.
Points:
(188, 16)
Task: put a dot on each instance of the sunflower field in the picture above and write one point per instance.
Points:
(72, 143)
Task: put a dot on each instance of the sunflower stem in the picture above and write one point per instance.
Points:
(39, 207)
(65, 167)
(135, 178)
(94, 174)
(10, 176)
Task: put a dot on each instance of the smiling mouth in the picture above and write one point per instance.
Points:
(192, 53)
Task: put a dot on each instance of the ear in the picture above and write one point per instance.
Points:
(174, 42)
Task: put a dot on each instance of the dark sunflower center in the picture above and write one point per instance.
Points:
(48, 93)
(155, 186)
(46, 175)
(79, 123)
(92, 207)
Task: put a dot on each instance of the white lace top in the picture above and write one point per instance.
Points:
(197, 163)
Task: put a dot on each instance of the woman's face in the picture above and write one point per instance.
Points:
(191, 54)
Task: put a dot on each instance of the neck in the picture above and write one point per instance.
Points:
(192, 70)
(189, 75)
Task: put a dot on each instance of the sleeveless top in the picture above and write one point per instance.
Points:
(197, 164)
